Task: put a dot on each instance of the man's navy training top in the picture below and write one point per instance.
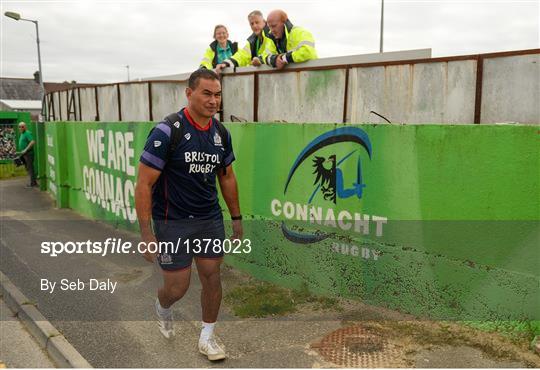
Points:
(187, 185)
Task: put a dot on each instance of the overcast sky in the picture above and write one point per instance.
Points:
(93, 41)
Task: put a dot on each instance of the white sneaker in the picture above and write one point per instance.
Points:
(212, 349)
(165, 322)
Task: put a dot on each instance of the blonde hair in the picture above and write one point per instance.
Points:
(218, 27)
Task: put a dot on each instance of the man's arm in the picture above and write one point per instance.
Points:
(304, 49)
(229, 190)
(30, 145)
(146, 179)
(241, 58)
(270, 52)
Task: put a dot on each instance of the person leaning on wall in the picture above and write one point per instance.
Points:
(26, 151)
(293, 44)
(220, 49)
(253, 52)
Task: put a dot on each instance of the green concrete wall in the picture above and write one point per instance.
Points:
(448, 215)
(14, 117)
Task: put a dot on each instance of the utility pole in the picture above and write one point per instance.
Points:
(17, 17)
(382, 27)
(127, 67)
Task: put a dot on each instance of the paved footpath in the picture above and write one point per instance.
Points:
(118, 330)
(17, 347)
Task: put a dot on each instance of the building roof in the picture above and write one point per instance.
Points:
(59, 86)
(28, 89)
(22, 104)
(19, 89)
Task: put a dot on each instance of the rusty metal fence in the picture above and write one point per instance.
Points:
(480, 88)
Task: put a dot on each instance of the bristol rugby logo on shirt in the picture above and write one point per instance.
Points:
(217, 140)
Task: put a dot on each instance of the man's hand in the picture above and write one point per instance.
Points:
(279, 62)
(229, 191)
(238, 230)
(149, 238)
(146, 178)
(256, 61)
(220, 67)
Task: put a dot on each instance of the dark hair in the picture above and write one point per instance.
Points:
(207, 74)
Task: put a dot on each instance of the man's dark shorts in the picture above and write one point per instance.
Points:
(187, 239)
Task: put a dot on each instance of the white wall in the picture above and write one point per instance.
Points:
(426, 92)
(511, 89)
(307, 96)
(88, 104)
(167, 97)
(414, 93)
(238, 97)
(108, 103)
(134, 102)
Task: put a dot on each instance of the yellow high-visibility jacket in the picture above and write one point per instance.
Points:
(297, 44)
(209, 60)
(255, 47)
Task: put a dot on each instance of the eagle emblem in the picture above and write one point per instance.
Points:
(325, 169)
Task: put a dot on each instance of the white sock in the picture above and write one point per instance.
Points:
(207, 331)
(163, 311)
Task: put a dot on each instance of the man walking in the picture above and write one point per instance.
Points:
(26, 149)
(176, 189)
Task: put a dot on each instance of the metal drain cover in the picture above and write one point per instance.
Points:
(356, 346)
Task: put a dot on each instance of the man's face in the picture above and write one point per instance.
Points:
(221, 35)
(22, 128)
(276, 26)
(256, 22)
(205, 99)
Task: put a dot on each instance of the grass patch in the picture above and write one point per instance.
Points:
(429, 334)
(9, 170)
(513, 329)
(262, 299)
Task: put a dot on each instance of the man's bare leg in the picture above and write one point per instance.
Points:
(210, 277)
(175, 285)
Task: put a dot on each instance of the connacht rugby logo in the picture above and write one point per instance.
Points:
(328, 176)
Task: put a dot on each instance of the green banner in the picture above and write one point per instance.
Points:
(102, 169)
(435, 220)
(431, 218)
